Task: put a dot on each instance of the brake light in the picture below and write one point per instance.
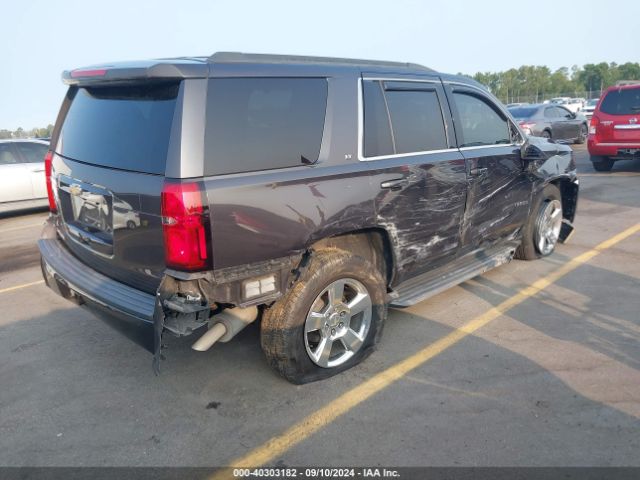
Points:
(97, 72)
(527, 127)
(185, 225)
(48, 159)
(593, 124)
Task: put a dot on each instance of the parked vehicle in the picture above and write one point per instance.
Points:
(614, 132)
(551, 121)
(309, 193)
(589, 107)
(22, 178)
(572, 104)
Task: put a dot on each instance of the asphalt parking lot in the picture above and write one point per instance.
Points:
(552, 380)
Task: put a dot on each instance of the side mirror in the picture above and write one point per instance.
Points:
(530, 152)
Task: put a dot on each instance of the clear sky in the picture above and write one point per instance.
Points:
(42, 38)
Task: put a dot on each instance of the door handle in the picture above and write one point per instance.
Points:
(479, 172)
(395, 184)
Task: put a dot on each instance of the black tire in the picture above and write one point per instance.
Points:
(283, 324)
(546, 134)
(582, 137)
(601, 164)
(527, 249)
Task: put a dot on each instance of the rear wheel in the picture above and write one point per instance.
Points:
(601, 164)
(541, 232)
(582, 137)
(328, 321)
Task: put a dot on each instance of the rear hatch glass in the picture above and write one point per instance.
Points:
(123, 127)
(621, 102)
(522, 112)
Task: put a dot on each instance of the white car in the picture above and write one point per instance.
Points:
(22, 178)
(589, 107)
(572, 104)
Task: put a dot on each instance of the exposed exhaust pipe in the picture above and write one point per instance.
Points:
(225, 325)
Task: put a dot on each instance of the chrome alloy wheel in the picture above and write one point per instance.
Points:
(548, 226)
(338, 323)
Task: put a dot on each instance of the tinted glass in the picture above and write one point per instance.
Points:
(125, 127)
(263, 123)
(377, 133)
(562, 112)
(550, 112)
(480, 123)
(32, 152)
(7, 155)
(621, 102)
(523, 112)
(416, 120)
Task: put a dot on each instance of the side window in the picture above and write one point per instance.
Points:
(32, 152)
(377, 133)
(562, 112)
(7, 156)
(549, 112)
(263, 123)
(416, 120)
(480, 123)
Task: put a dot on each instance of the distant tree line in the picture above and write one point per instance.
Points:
(22, 133)
(538, 83)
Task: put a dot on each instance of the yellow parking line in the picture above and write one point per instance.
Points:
(24, 285)
(309, 425)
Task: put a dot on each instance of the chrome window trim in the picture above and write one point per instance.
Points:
(497, 145)
(632, 145)
(627, 127)
(360, 147)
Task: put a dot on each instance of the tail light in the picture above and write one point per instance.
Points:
(593, 125)
(527, 127)
(185, 224)
(48, 159)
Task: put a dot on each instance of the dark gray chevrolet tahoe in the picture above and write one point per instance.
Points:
(193, 196)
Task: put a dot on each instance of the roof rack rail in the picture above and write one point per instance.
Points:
(623, 83)
(239, 57)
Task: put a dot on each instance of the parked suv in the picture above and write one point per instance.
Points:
(198, 195)
(614, 132)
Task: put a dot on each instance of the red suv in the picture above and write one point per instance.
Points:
(614, 133)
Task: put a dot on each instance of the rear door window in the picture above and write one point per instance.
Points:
(377, 131)
(480, 122)
(123, 127)
(416, 118)
(32, 152)
(622, 102)
(263, 123)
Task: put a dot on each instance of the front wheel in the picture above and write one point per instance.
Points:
(328, 321)
(582, 136)
(541, 233)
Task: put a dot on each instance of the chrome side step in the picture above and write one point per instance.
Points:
(431, 283)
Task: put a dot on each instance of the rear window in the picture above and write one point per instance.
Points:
(621, 102)
(522, 112)
(263, 123)
(124, 127)
(32, 152)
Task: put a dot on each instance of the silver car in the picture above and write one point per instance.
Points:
(22, 176)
